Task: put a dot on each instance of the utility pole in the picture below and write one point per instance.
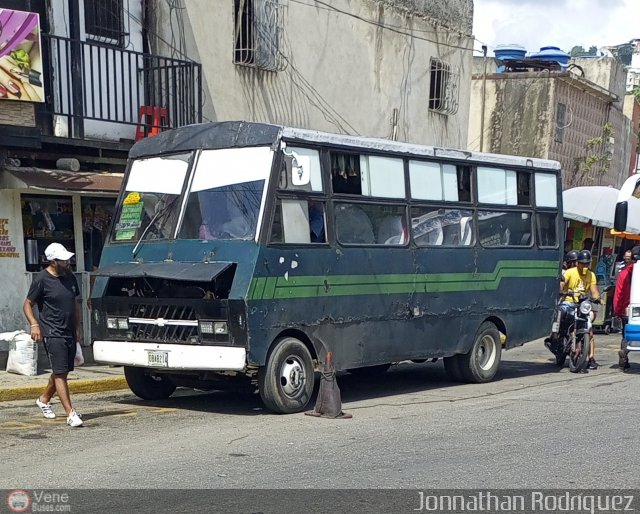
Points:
(484, 92)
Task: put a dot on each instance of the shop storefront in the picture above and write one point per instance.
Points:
(589, 213)
(38, 207)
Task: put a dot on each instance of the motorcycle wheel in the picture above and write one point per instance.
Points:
(578, 359)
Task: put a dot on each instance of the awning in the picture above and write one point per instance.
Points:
(60, 181)
(591, 204)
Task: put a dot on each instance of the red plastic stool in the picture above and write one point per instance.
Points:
(159, 118)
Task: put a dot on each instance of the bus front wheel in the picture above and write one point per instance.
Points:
(481, 363)
(286, 381)
(148, 386)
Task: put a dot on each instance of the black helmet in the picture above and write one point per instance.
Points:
(571, 256)
(584, 257)
(635, 253)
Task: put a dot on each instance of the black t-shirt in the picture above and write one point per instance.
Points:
(56, 300)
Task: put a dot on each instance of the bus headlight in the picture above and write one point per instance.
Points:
(117, 323)
(213, 327)
(585, 308)
(635, 312)
(220, 327)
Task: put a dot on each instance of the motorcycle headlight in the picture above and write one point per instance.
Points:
(585, 308)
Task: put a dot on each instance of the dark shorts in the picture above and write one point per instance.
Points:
(61, 352)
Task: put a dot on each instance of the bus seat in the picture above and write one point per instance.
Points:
(391, 231)
(353, 225)
(466, 232)
(526, 239)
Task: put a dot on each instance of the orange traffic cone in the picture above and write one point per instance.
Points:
(328, 404)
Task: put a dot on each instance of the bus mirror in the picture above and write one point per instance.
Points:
(298, 167)
(620, 218)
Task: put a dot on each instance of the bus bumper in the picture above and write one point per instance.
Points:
(170, 356)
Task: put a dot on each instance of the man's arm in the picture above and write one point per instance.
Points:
(78, 317)
(595, 292)
(27, 308)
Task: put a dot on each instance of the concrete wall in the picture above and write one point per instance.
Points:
(607, 73)
(632, 111)
(520, 119)
(12, 263)
(585, 118)
(517, 114)
(343, 72)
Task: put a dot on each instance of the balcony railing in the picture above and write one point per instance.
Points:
(91, 81)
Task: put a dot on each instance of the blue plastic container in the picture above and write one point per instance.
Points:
(514, 52)
(552, 53)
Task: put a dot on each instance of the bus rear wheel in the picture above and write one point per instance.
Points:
(481, 363)
(147, 386)
(286, 381)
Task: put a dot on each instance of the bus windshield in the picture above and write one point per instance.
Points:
(226, 194)
(151, 202)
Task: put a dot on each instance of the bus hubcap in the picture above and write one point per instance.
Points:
(292, 376)
(486, 354)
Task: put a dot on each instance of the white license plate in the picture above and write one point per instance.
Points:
(555, 327)
(158, 359)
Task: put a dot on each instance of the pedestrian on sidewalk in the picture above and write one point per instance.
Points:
(621, 301)
(54, 291)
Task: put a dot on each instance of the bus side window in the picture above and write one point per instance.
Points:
(353, 226)
(391, 231)
(345, 174)
(299, 222)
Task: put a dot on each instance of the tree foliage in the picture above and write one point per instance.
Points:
(579, 50)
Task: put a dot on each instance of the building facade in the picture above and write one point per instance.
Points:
(397, 69)
(78, 85)
(573, 115)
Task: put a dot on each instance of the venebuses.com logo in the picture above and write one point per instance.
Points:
(18, 500)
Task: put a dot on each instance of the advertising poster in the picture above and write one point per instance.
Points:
(20, 56)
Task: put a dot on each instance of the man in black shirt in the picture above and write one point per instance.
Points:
(54, 291)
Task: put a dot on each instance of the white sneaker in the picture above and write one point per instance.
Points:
(74, 419)
(47, 412)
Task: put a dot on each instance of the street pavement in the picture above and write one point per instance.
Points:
(535, 427)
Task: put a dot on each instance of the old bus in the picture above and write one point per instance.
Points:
(251, 250)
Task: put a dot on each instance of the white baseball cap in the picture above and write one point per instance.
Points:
(57, 252)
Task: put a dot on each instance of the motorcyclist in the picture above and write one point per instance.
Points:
(582, 281)
(570, 261)
(621, 300)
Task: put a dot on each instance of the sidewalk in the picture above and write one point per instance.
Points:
(90, 378)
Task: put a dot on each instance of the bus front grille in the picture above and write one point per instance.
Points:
(163, 323)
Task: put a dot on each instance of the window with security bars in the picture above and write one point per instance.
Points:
(443, 87)
(104, 21)
(258, 33)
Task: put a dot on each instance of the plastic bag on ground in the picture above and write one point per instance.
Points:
(78, 360)
(23, 355)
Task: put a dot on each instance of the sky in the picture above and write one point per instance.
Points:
(562, 23)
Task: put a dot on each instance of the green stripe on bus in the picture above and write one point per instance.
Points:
(268, 288)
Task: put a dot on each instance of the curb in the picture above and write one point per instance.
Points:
(77, 387)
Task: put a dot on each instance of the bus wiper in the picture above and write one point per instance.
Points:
(151, 223)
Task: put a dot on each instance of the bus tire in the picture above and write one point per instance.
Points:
(147, 386)
(452, 368)
(481, 363)
(287, 379)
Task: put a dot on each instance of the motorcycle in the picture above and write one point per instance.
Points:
(570, 332)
